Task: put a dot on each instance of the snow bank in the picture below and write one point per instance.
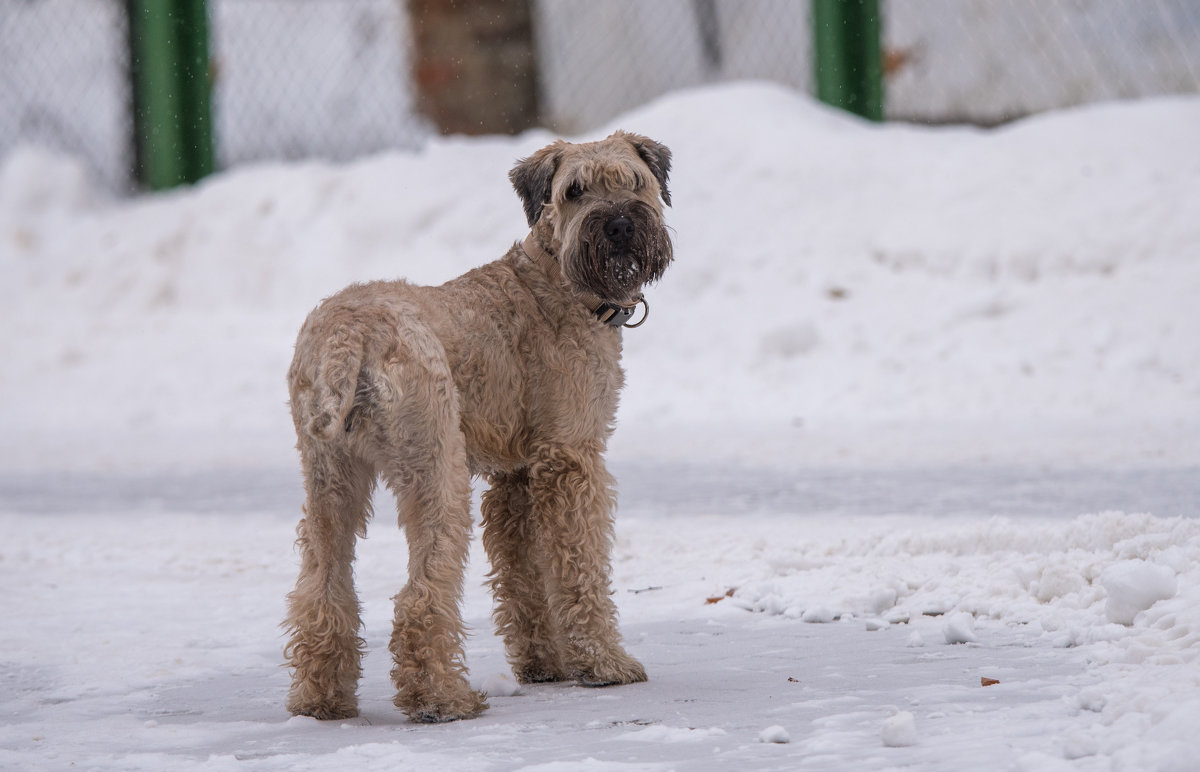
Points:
(1122, 591)
(1121, 579)
(844, 292)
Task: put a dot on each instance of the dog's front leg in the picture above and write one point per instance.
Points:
(518, 580)
(572, 499)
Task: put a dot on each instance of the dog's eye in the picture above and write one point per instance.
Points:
(575, 191)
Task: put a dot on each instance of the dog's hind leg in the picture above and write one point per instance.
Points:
(325, 649)
(518, 580)
(572, 495)
(428, 473)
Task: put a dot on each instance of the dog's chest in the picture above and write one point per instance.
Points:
(542, 387)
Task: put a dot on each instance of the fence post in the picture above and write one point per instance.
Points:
(848, 63)
(172, 87)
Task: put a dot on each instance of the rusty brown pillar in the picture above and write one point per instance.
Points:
(475, 65)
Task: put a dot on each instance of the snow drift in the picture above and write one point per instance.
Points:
(966, 295)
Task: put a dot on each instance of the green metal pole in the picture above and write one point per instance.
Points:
(196, 85)
(848, 63)
(172, 88)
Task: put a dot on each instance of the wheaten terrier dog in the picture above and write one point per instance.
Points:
(510, 371)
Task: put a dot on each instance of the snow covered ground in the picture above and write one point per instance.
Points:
(915, 408)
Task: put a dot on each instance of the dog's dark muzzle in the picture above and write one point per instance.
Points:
(624, 249)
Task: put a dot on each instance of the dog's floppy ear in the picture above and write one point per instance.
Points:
(657, 156)
(531, 178)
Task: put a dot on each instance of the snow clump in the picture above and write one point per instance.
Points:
(900, 730)
(959, 628)
(500, 685)
(1134, 586)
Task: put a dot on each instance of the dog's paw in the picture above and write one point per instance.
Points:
(469, 704)
(614, 671)
(441, 715)
(536, 670)
(539, 676)
(323, 710)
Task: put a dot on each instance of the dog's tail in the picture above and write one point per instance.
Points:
(323, 401)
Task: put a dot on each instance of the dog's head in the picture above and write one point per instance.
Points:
(600, 207)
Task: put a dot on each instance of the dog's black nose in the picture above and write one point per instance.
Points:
(619, 229)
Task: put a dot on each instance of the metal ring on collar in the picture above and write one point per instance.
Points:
(645, 314)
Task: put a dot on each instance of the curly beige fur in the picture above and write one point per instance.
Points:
(503, 372)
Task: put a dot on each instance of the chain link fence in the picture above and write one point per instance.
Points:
(324, 78)
(987, 62)
(64, 82)
(648, 49)
(331, 78)
(945, 61)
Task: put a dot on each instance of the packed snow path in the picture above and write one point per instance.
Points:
(148, 639)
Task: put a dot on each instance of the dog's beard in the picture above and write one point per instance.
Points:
(616, 272)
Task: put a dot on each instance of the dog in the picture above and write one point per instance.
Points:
(510, 372)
